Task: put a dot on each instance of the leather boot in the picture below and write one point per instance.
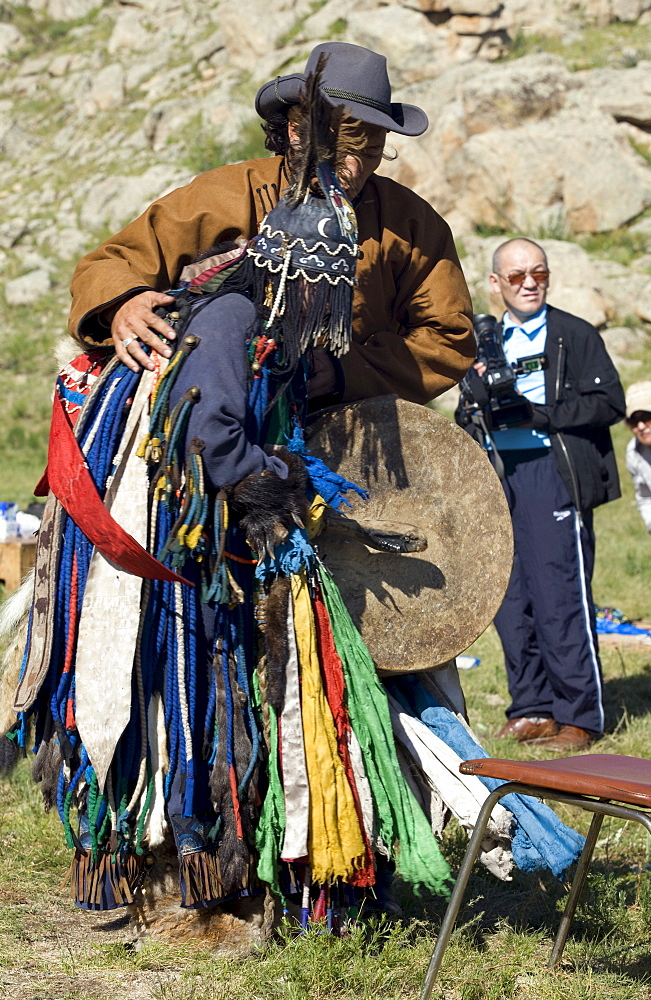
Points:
(526, 729)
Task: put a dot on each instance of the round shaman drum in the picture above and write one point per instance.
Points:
(417, 610)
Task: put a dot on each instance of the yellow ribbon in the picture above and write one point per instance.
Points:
(314, 519)
(335, 839)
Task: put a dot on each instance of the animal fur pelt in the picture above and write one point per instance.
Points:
(266, 507)
(276, 643)
(13, 631)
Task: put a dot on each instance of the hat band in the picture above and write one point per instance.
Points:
(348, 95)
(277, 92)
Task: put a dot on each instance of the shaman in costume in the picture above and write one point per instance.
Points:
(412, 317)
(229, 695)
(190, 664)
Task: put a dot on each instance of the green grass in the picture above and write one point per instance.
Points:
(620, 245)
(43, 33)
(50, 951)
(201, 150)
(296, 29)
(337, 28)
(596, 46)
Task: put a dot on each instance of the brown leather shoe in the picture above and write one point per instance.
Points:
(523, 729)
(567, 738)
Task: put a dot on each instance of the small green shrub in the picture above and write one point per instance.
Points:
(617, 44)
(620, 244)
(337, 28)
(204, 150)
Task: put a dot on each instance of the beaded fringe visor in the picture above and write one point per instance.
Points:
(315, 240)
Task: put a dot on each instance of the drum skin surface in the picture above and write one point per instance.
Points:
(416, 611)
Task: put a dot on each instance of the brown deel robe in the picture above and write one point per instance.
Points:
(412, 313)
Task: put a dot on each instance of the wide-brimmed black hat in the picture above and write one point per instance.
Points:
(353, 76)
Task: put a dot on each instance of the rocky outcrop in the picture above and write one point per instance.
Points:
(125, 101)
(529, 146)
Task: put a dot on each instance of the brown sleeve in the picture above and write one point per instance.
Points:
(150, 252)
(415, 333)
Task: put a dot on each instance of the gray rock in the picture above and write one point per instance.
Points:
(208, 47)
(624, 341)
(107, 90)
(319, 24)
(69, 10)
(642, 306)
(12, 232)
(69, 243)
(28, 288)
(10, 39)
(583, 174)
(118, 199)
(129, 33)
(33, 66)
(623, 93)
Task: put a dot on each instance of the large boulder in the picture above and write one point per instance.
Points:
(542, 176)
(623, 93)
(108, 87)
(28, 288)
(116, 200)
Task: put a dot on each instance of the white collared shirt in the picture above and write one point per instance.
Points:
(522, 341)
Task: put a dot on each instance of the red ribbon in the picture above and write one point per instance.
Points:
(332, 672)
(67, 476)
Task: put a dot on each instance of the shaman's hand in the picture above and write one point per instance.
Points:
(134, 322)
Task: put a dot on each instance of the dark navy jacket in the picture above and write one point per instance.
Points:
(584, 397)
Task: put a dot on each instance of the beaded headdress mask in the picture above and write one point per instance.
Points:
(311, 234)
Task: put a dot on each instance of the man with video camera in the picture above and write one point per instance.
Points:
(540, 399)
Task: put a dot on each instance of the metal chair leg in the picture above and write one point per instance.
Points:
(456, 898)
(575, 889)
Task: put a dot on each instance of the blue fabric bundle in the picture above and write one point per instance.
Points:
(328, 484)
(540, 840)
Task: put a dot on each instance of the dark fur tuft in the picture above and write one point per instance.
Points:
(9, 755)
(276, 644)
(317, 127)
(46, 768)
(266, 507)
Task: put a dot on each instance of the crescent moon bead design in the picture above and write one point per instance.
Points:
(323, 223)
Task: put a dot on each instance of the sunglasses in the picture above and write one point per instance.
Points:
(639, 417)
(517, 278)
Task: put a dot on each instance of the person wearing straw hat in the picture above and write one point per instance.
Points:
(638, 449)
(412, 313)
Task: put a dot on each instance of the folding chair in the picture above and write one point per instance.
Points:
(596, 782)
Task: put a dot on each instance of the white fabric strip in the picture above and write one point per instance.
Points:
(463, 794)
(363, 788)
(156, 823)
(294, 767)
(110, 615)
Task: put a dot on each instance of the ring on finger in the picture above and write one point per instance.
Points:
(127, 341)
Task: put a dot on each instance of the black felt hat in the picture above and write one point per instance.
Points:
(353, 76)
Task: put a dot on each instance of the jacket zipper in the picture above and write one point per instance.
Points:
(559, 436)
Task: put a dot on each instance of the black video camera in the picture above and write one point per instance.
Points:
(492, 397)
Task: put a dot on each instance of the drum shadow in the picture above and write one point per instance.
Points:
(360, 573)
(370, 431)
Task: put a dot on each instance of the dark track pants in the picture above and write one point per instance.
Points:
(546, 621)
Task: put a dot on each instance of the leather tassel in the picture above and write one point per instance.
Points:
(106, 882)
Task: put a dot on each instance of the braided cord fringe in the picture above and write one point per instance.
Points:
(399, 816)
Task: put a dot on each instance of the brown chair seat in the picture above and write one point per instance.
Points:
(604, 775)
(605, 784)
